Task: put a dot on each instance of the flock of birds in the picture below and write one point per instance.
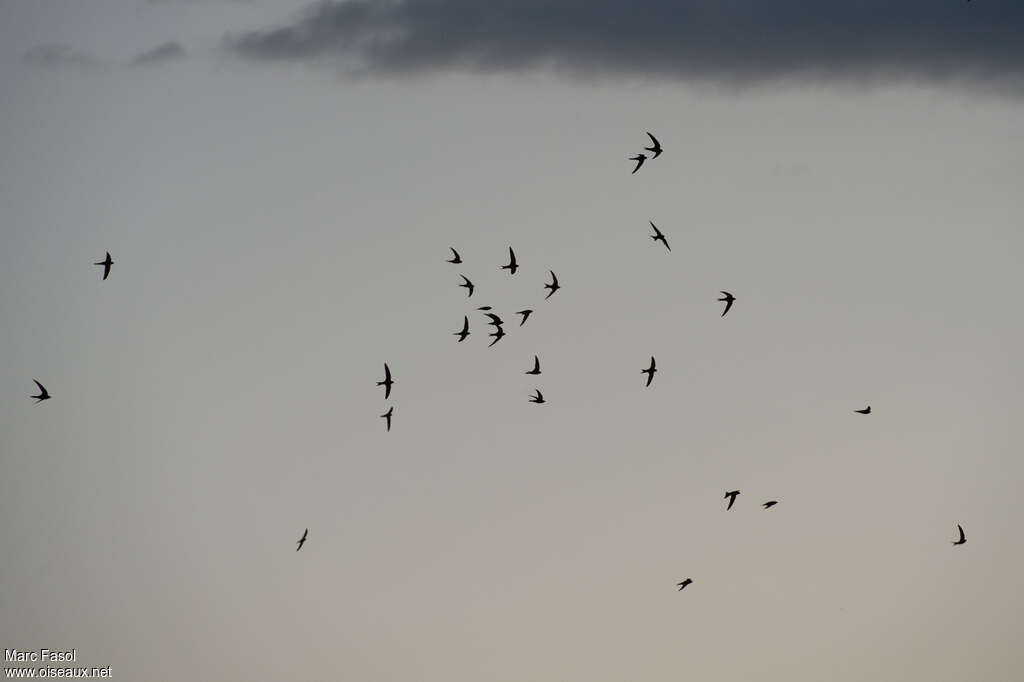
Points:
(499, 332)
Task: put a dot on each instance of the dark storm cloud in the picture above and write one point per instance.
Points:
(160, 53)
(730, 40)
(53, 55)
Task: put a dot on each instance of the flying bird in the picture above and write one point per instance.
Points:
(866, 410)
(656, 150)
(467, 285)
(539, 398)
(525, 314)
(106, 263)
(456, 259)
(962, 539)
(465, 330)
(727, 299)
(512, 265)
(495, 320)
(649, 372)
(769, 504)
(536, 366)
(639, 158)
(302, 540)
(658, 236)
(387, 416)
(43, 394)
(387, 381)
(732, 498)
(553, 286)
(683, 584)
(498, 333)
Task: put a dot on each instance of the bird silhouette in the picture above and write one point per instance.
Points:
(525, 314)
(43, 394)
(106, 263)
(539, 398)
(962, 539)
(456, 259)
(465, 330)
(302, 540)
(498, 333)
(512, 265)
(639, 158)
(536, 366)
(387, 416)
(727, 299)
(649, 372)
(658, 236)
(656, 150)
(683, 584)
(553, 286)
(769, 504)
(467, 284)
(387, 381)
(732, 498)
(495, 320)
(866, 410)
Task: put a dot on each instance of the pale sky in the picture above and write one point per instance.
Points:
(278, 188)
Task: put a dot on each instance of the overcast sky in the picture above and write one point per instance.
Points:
(278, 185)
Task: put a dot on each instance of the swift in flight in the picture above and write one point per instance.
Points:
(727, 299)
(512, 265)
(658, 236)
(387, 381)
(106, 265)
(536, 366)
(656, 150)
(650, 372)
(465, 330)
(553, 286)
(43, 394)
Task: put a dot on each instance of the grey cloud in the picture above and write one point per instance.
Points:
(161, 53)
(723, 40)
(53, 55)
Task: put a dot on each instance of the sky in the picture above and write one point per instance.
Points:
(279, 183)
